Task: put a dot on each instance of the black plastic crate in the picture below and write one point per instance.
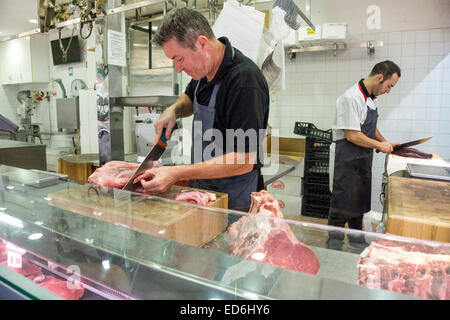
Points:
(315, 207)
(320, 190)
(314, 144)
(312, 177)
(309, 130)
(315, 211)
(316, 201)
(317, 167)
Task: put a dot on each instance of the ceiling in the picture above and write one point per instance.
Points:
(14, 16)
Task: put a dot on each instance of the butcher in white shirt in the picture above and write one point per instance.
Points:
(355, 136)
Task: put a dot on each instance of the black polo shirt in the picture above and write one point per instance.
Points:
(364, 89)
(242, 101)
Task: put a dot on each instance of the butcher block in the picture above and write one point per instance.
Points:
(418, 208)
(178, 221)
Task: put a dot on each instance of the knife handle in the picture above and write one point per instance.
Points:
(163, 138)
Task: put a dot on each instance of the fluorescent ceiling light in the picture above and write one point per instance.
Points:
(33, 21)
(35, 236)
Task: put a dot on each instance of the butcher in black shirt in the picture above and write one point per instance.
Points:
(229, 98)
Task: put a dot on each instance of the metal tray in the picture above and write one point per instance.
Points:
(428, 172)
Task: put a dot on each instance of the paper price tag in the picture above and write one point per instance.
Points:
(14, 255)
(14, 259)
(310, 31)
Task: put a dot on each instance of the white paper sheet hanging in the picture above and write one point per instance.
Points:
(116, 49)
(243, 26)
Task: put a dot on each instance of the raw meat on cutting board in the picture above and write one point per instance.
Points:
(194, 196)
(115, 174)
(414, 269)
(261, 238)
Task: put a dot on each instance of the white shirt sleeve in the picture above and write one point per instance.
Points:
(348, 113)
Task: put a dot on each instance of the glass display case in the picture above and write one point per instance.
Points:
(60, 239)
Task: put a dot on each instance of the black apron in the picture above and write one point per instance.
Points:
(352, 182)
(238, 188)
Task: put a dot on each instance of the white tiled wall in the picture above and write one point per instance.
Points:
(419, 106)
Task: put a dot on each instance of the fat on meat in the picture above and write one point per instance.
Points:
(114, 174)
(414, 269)
(265, 237)
(194, 196)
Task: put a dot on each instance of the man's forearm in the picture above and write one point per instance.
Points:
(183, 107)
(360, 139)
(231, 164)
(378, 136)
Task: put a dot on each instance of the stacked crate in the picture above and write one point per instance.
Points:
(316, 192)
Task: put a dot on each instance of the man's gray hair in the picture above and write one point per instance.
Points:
(185, 25)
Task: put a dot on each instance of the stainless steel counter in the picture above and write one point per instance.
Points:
(23, 154)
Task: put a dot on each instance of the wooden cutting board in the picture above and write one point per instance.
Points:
(418, 208)
(175, 220)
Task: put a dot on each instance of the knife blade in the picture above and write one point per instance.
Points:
(154, 155)
(409, 144)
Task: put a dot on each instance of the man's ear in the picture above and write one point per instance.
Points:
(202, 41)
(379, 77)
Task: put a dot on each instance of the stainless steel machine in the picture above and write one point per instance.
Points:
(111, 140)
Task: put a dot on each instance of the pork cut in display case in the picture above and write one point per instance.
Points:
(65, 240)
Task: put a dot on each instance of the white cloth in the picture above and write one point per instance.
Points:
(243, 26)
(351, 111)
(271, 57)
(397, 163)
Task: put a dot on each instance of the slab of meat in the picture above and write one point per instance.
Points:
(60, 287)
(3, 253)
(414, 269)
(28, 270)
(114, 174)
(412, 153)
(193, 196)
(262, 238)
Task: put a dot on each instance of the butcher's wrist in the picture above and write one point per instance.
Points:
(180, 173)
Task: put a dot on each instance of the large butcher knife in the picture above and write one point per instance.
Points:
(409, 144)
(147, 163)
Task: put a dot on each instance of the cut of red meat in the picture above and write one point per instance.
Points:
(412, 153)
(415, 269)
(3, 253)
(194, 196)
(262, 238)
(28, 270)
(60, 287)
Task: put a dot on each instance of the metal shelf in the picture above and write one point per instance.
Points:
(370, 45)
